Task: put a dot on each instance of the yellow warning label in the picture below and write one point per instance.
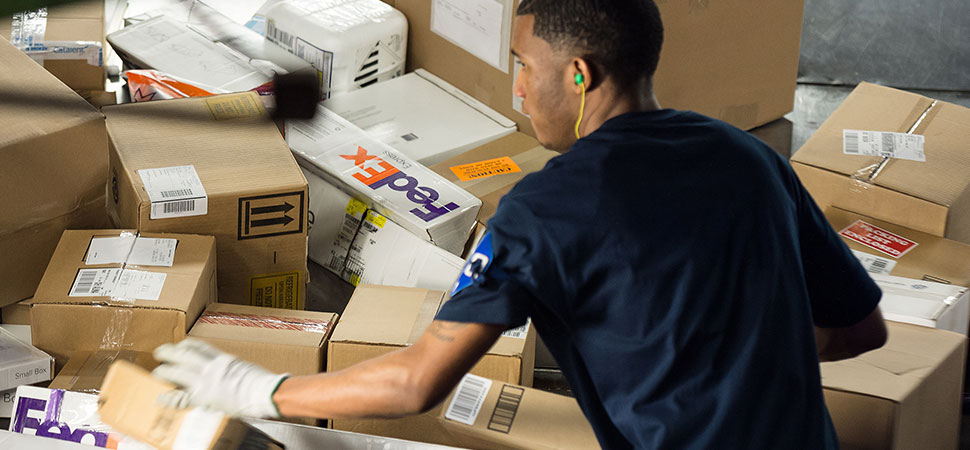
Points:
(376, 219)
(355, 207)
(235, 106)
(485, 169)
(280, 290)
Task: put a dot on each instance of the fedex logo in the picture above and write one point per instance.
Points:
(40, 417)
(376, 173)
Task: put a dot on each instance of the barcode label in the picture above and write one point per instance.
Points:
(278, 36)
(883, 143)
(174, 192)
(875, 264)
(94, 282)
(520, 332)
(409, 137)
(467, 402)
(504, 413)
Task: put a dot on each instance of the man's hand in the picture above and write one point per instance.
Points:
(210, 378)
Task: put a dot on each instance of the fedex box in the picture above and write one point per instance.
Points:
(401, 189)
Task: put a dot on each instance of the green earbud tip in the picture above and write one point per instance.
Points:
(579, 78)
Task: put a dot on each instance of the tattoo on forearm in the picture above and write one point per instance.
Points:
(445, 331)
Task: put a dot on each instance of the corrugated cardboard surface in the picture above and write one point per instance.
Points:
(525, 151)
(525, 419)
(381, 319)
(240, 159)
(297, 352)
(85, 371)
(904, 395)
(47, 133)
(77, 21)
(62, 324)
(732, 62)
(934, 259)
(16, 313)
(931, 196)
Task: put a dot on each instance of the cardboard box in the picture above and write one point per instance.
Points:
(120, 301)
(21, 363)
(930, 258)
(85, 371)
(304, 437)
(128, 403)
(282, 341)
(901, 396)
(16, 313)
(490, 171)
(421, 116)
(925, 303)
(67, 416)
(334, 220)
(381, 319)
(68, 41)
(931, 196)
(339, 153)
(39, 112)
(244, 188)
(482, 413)
(22, 333)
(384, 253)
(744, 58)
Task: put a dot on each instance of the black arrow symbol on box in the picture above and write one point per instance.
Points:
(285, 220)
(285, 208)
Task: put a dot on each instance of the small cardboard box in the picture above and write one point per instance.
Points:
(744, 58)
(282, 341)
(384, 253)
(135, 304)
(39, 112)
(22, 333)
(85, 371)
(421, 116)
(925, 303)
(68, 41)
(21, 363)
(483, 413)
(925, 257)
(127, 402)
(67, 416)
(381, 319)
(931, 196)
(218, 166)
(490, 171)
(339, 153)
(16, 313)
(904, 395)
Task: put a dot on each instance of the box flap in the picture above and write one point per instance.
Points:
(265, 325)
(895, 370)
(941, 179)
(214, 134)
(386, 315)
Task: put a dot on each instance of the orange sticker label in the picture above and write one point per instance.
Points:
(485, 169)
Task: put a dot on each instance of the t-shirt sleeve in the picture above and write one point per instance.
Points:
(841, 291)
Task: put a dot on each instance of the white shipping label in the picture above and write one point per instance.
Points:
(875, 264)
(480, 27)
(175, 192)
(131, 250)
(468, 399)
(94, 282)
(139, 285)
(518, 332)
(883, 143)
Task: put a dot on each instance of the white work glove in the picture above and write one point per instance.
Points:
(211, 378)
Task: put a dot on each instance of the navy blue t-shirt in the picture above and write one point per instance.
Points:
(674, 266)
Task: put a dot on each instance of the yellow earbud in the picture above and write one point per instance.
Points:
(582, 102)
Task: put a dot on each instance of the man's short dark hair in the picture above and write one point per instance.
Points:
(621, 38)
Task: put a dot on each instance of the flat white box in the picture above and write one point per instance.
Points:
(422, 116)
(338, 152)
(21, 363)
(925, 303)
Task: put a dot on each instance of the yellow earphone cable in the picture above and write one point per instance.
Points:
(582, 106)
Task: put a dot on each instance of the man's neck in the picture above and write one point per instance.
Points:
(606, 103)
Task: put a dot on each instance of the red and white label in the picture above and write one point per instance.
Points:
(878, 239)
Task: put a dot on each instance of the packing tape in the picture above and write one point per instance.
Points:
(28, 28)
(697, 6)
(95, 366)
(863, 178)
(429, 308)
(27, 33)
(264, 321)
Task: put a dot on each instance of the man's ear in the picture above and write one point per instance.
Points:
(581, 74)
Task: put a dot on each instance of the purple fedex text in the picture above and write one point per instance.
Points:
(49, 426)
